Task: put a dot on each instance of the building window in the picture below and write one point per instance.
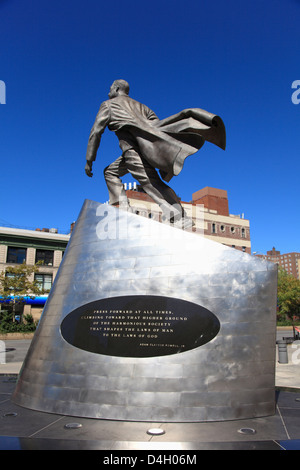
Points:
(14, 276)
(44, 281)
(16, 255)
(213, 228)
(222, 227)
(232, 229)
(44, 257)
(243, 233)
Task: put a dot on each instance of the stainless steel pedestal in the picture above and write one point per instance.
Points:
(114, 254)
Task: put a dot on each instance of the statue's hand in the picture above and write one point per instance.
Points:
(88, 169)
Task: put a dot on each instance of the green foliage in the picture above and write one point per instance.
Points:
(8, 325)
(16, 283)
(283, 321)
(288, 296)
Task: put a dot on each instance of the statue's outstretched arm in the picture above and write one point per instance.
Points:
(97, 130)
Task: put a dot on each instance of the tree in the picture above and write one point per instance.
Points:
(288, 295)
(16, 283)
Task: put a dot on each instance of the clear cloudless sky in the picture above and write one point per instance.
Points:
(233, 58)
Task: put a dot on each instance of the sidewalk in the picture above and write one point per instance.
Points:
(14, 355)
(288, 375)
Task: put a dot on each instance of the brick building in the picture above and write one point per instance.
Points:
(209, 209)
(290, 262)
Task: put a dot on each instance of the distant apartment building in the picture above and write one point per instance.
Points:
(209, 210)
(290, 262)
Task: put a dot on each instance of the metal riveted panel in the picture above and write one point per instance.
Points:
(113, 254)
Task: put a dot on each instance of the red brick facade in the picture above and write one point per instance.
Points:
(213, 199)
(290, 262)
(218, 225)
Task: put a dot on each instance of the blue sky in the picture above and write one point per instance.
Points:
(235, 59)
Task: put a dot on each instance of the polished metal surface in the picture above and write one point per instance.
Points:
(113, 253)
(247, 431)
(73, 425)
(155, 431)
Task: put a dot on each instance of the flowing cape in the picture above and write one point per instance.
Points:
(166, 143)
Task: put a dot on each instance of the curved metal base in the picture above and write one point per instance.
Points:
(112, 253)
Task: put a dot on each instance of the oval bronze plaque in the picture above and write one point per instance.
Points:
(139, 326)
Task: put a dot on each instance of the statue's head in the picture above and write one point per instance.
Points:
(119, 87)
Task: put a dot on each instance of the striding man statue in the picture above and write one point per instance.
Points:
(149, 144)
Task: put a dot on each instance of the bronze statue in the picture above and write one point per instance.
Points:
(147, 144)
